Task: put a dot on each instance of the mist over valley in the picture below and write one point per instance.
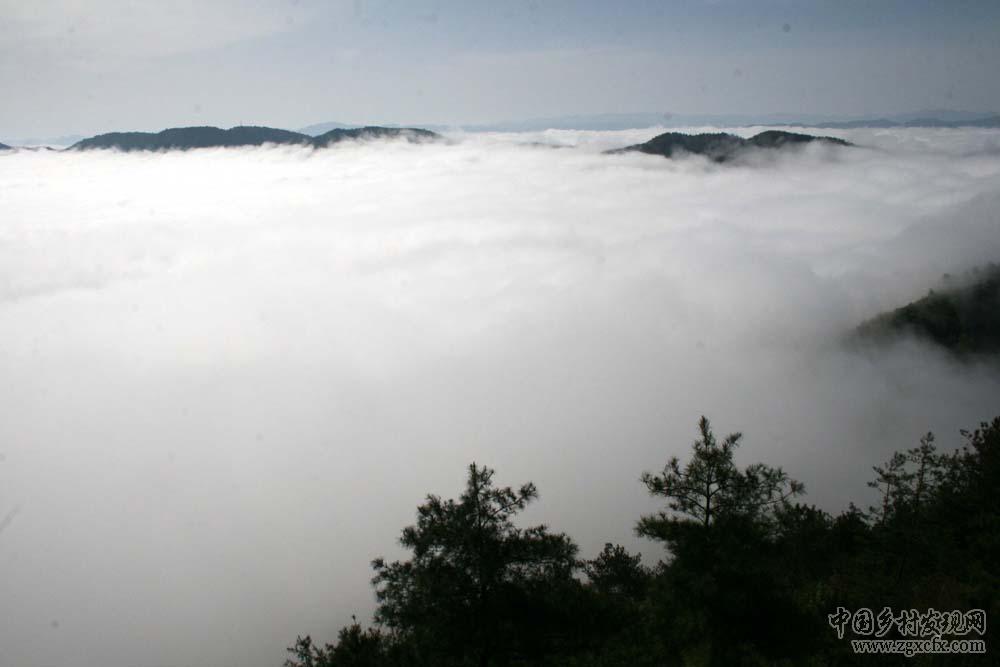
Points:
(232, 373)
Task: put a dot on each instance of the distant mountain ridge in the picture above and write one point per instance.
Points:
(375, 132)
(932, 118)
(65, 140)
(628, 121)
(717, 146)
(323, 128)
(990, 121)
(4, 147)
(631, 121)
(184, 138)
(721, 146)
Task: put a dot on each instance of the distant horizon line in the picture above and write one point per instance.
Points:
(625, 120)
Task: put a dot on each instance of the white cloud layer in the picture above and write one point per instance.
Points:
(231, 375)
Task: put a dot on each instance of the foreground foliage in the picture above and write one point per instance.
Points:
(749, 575)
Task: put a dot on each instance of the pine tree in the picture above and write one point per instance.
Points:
(475, 580)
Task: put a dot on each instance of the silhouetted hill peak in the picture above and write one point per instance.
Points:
(411, 134)
(721, 146)
(779, 138)
(184, 138)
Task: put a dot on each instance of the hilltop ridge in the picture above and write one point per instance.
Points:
(185, 138)
(721, 146)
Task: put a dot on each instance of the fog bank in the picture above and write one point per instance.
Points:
(229, 376)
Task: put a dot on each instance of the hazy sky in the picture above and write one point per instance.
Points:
(230, 376)
(85, 66)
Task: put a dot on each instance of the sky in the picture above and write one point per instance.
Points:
(84, 67)
(230, 376)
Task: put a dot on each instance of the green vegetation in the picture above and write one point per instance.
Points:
(184, 138)
(720, 146)
(749, 577)
(963, 316)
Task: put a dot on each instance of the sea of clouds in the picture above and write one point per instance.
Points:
(229, 376)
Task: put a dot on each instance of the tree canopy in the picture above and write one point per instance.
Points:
(475, 580)
(750, 575)
(710, 488)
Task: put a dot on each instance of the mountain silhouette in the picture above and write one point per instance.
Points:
(184, 138)
(374, 132)
(321, 128)
(721, 146)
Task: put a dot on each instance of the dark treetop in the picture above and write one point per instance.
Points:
(748, 576)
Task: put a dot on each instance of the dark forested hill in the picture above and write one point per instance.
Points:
(182, 138)
(191, 137)
(375, 132)
(778, 138)
(4, 147)
(716, 146)
(721, 146)
(963, 316)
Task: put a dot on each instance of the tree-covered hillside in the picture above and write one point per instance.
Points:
(184, 138)
(375, 132)
(750, 576)
(191, 137)
(778, 139)
(962, 316)
(721, 146)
